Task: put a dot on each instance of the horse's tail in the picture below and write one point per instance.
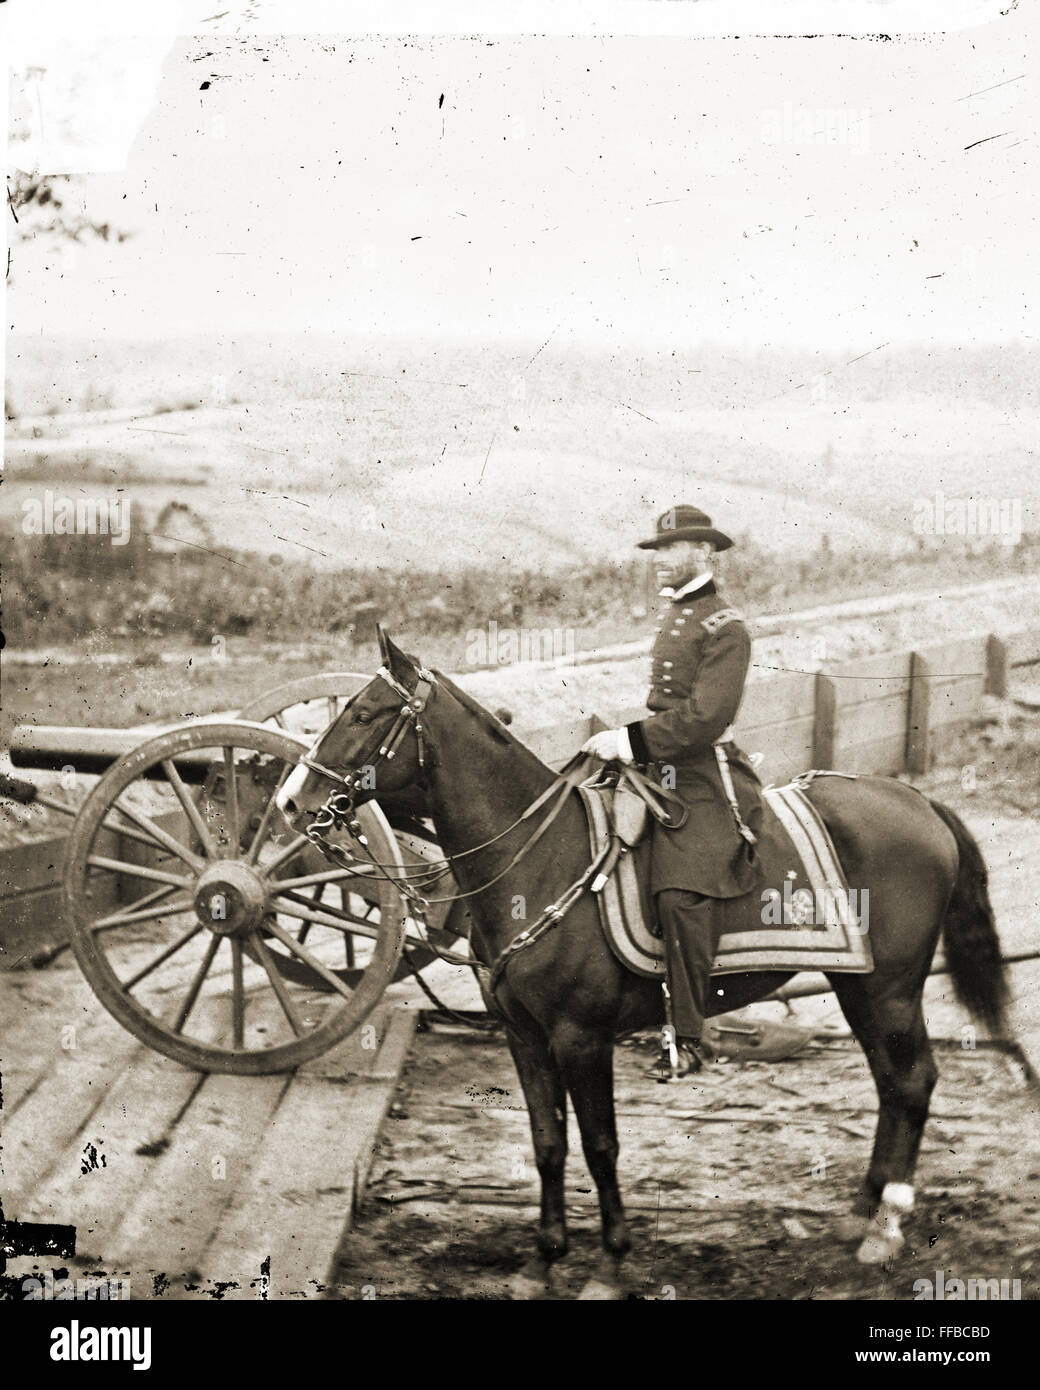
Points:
(970, 932)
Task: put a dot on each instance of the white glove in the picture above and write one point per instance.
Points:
(612, 745)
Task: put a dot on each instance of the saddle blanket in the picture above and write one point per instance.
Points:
(802, 918)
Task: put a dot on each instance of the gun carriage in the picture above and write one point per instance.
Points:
(207, 927)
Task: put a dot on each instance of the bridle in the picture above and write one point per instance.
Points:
(339, 807)
(338, 811)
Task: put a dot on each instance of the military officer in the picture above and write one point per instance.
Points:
(699, 663)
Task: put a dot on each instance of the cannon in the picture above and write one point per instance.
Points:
(203, 923)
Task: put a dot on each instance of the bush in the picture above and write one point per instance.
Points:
(62, 588)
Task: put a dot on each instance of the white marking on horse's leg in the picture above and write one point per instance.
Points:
(886, 1238)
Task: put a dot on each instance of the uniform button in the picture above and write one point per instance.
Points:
(679, 622)
(674, 632)
(667, 665)
(687, 611)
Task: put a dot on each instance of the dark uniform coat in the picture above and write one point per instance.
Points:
(700, 660)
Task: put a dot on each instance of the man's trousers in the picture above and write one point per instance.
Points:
(691, 924)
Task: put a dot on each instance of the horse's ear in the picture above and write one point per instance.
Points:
(400, 665)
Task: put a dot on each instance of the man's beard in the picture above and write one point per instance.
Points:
(675, 579)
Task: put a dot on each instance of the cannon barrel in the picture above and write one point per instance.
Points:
(51, 747)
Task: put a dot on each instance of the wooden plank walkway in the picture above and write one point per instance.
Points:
(186, 1185)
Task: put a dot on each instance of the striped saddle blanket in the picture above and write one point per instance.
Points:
(803, 917)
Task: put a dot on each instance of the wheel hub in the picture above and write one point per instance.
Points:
(230, 898)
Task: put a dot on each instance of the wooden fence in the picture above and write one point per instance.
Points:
(885, 714)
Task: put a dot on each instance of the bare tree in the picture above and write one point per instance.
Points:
(36, 202)
(38, 209)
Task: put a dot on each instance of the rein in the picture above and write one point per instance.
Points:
(338, 811)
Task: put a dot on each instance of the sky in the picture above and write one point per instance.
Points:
(613, 191)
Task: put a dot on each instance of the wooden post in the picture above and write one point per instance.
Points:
(918, 716)
(825, 721)
(996, 666)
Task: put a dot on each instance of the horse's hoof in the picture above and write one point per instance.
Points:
(527, 1283)
(877, 1248)
(886, 1239)
(597, 1290)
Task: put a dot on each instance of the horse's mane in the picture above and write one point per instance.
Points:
(492, 726)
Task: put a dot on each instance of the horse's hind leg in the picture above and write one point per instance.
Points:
(891, 1031)
(586, 1059)
(546, 1098)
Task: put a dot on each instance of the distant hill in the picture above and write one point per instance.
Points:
(377, 453)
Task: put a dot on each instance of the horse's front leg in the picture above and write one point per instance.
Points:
(586, 1059)
(546, 1098)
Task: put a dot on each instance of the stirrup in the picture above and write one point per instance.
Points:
(676, 1060)
(664, 1070)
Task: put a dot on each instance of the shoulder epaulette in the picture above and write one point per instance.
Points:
(714, 621)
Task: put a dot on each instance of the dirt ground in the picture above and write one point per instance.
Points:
(734, 1184)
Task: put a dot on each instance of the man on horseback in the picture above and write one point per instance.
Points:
(699, 665)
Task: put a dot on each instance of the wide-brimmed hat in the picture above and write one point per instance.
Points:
(685, 524)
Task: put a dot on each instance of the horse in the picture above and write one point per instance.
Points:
(563, 995)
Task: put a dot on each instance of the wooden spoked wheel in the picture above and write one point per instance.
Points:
(304, 708)
(195, 910)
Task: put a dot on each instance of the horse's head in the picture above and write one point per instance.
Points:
(375, 746)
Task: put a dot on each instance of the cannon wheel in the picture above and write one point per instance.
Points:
(303, 708)
(306, 706)
(200, 965)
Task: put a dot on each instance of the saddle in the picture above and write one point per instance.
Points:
(804, 918)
